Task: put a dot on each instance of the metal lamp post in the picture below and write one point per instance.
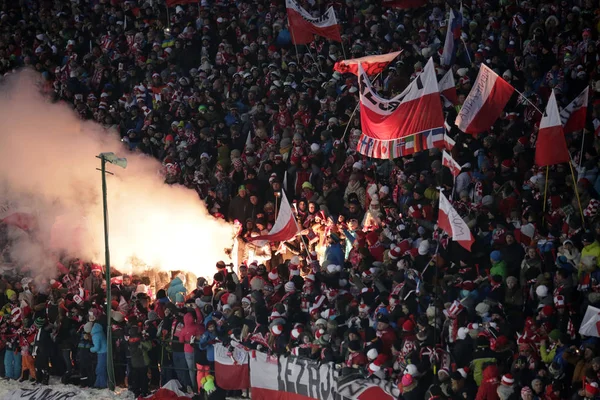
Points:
(121, 162)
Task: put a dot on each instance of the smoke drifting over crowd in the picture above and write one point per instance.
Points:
(48, 166)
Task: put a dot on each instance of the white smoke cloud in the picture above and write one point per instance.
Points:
(48, 166)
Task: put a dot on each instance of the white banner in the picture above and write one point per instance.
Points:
(272, 376)
(40, 393)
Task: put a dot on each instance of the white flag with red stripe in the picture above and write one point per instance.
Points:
(232, 367)
(551, 146)
(573, 115)
(485, 102)
(449, 143)
(304, 26)
(285, 226)
(448, 161)
(448, 89)
(453, 224)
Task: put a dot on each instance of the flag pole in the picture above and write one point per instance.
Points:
(529, 101)
(355, 107)
(581, 152)
(467, 50)
(294, 41)
(577, 194)
(545, 188)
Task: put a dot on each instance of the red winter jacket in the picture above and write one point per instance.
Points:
(489, 384)
(191, 328)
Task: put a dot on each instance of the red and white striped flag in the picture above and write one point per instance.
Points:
(304, 26)
(573, 115)
(448, 161)
(449, 143)
(232, 370)
(485, 102)
(453, 224)
(372, 65)
(551, 146)
(448, 89)
(285, 226)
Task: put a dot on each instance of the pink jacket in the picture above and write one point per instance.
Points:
(191, 328)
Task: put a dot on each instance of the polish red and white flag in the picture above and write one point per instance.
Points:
(485, 102)
(448, 161)
(304, 26)
(453, 224)
(573, 115)
(285, 226)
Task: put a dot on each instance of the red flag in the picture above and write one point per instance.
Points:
(24, 221)
(551, 147)
(485, 102)
(372, 65)
(173, 3)
(231, 368)
(403, 4)
(453, 224)
(404, 123)
(285, 226)
(448, 161)
(448, 89)
(573, 115)
(304, 26)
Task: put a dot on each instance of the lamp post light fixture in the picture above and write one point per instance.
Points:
(121, 162)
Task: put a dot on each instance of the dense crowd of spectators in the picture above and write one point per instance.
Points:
(371, 284)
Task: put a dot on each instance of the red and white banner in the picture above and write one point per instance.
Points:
(285, 226)
(551, 146)
(590, 326)
(448, 89)
(448, 161)
(294, 378)
(173, 3)
(403, 4)
(485, 102)
(405, 124)
(372, 65)
(170, 391)
(231, 367)
(303, 25)
(453, 224)
(574, 114)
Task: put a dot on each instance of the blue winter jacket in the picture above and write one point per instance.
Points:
(98, 339)
(204, 344)
(334, 254)
(175, 287)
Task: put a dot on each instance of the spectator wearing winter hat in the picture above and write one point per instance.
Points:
(99, 347)
(498, 265)
(86, 364)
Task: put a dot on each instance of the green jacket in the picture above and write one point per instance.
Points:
(547, 356)
(499, 268)
(139, 353)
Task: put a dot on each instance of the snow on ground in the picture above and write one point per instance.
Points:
(7, 386)
(81, 394)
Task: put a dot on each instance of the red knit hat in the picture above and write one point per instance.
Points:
(508, 380)
(408, 326)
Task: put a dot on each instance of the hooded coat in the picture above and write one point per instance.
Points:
(191, 328)
(98, 339)
(489, 384)
(176, 286)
